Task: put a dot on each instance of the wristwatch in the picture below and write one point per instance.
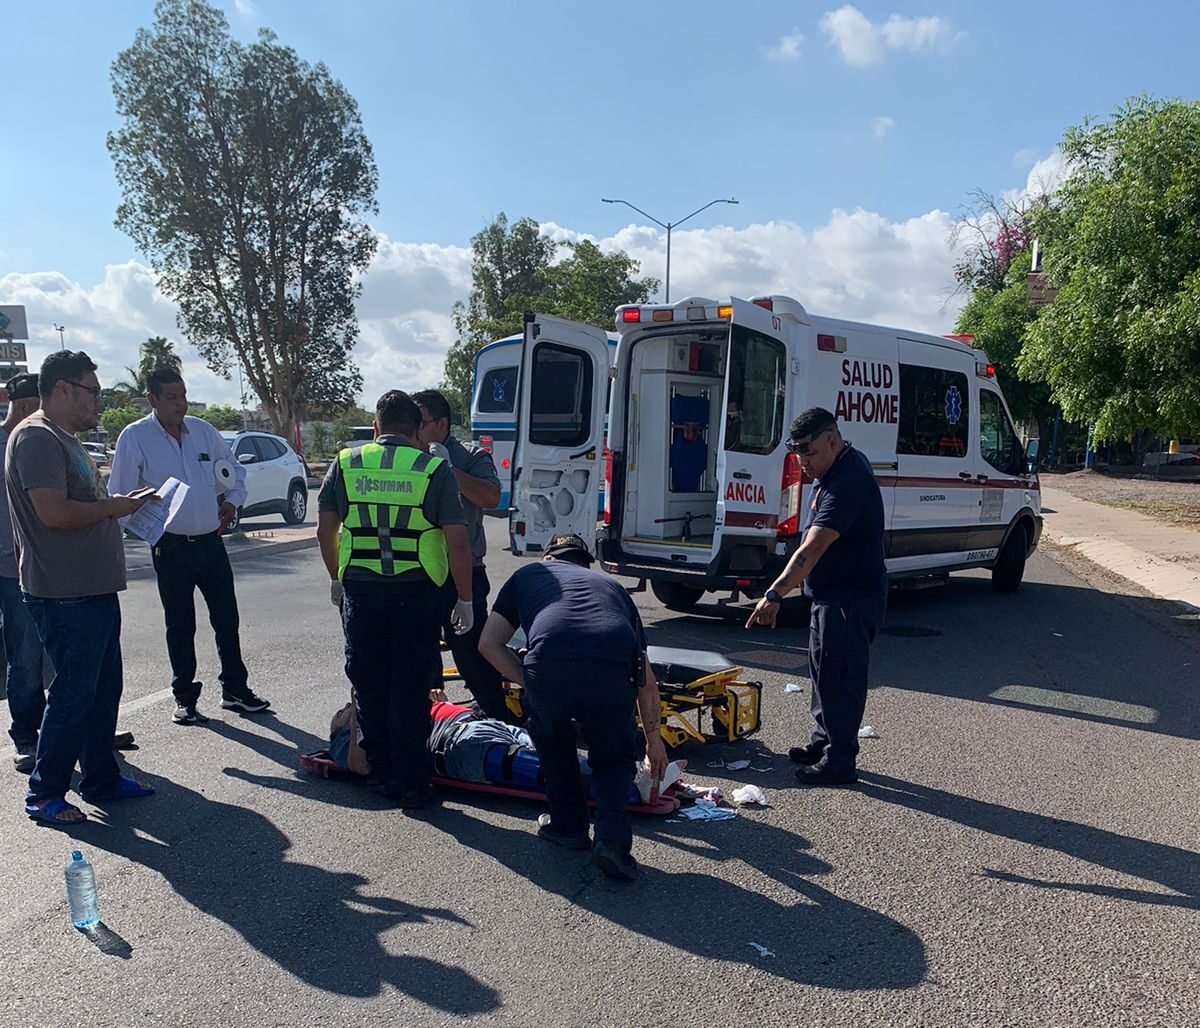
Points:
(772, 596)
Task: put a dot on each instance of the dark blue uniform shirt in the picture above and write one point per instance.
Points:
(571, 613)
(848, 501)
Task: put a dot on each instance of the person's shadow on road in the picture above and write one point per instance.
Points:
(308, 920)
(819, 939)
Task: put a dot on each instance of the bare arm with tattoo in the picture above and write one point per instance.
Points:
(816, 542)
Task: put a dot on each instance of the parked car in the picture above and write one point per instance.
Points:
(276, 481)
(99, 453)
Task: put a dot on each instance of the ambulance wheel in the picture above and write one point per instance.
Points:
(678, 597)
(1009, 568)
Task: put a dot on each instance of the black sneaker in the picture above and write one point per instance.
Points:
(615, 864)
(247, 703)
(823, 774)
(548, 832)
(416, 799)
(123, 741)
(187, 714)
(806, 755)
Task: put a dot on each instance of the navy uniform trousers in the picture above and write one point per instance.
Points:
(839, 649)
(601, 698)
(392, 632)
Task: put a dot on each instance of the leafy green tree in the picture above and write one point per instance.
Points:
(246, 179)
(513, 271)
(1120, 345)
(320, 438)
(351, 418)
(115, 419)
(223, 417)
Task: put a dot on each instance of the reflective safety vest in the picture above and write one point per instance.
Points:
(385, 530)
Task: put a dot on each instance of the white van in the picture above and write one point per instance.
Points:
(493, 404)
(701, 492)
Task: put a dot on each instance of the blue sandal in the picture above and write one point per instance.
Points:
(124, 789)
(49, 812)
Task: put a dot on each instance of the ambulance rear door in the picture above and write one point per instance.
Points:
(557, 466)
(751, 451)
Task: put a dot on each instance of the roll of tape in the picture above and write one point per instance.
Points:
(225, 476)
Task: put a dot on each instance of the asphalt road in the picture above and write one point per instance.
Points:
(1022, 850)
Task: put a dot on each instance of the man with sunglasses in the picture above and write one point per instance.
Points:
(72, 566)
(841, 565)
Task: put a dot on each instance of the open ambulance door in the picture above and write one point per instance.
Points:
(750, 457)
(557, 465)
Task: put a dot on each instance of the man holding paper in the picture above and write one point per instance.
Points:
(168, 444)
(72, 566)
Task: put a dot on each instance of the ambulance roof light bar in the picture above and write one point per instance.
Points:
(784, 306)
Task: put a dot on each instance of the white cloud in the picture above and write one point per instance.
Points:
(1044, 177)
(788, 47)
(1024, 158)
(861, 41)
(245, 8)
(857, 265)
(882, 125)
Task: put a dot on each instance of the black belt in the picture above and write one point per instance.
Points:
(189, 538)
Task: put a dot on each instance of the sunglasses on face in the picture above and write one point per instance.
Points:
(804, 448)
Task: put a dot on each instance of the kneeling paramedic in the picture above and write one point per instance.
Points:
(585, 662)
(391, 530)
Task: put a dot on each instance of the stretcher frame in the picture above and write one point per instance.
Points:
(322, 764)
(719, 707)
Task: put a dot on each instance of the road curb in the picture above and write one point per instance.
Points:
(240, 552)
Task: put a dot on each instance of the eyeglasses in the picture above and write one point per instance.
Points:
(805, 449)
(94, 390)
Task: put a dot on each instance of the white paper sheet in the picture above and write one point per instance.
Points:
(151, 519)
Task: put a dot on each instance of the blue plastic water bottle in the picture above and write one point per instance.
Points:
(81, 892)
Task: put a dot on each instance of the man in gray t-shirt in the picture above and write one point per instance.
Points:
(71, 562)
(479, 488)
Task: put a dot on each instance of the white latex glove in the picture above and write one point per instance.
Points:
(335, 593)
(438, 450)
(463, 618)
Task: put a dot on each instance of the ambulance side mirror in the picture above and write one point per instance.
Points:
(1031, 456)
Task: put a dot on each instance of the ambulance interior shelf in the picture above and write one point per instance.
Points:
(672, 488)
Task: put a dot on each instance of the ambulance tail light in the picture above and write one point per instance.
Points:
(985, 370)
(764, 302)
(485, 442)
(831, 344)
(665, 314)
(725, 313)
(789, 500)
(631, 314)
(606, 518)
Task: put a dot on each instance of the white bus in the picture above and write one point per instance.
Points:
(494, 384)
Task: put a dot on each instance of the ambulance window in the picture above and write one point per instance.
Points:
(754, 412)
(560, 408)
(934, 412)
(997, 441)
(497, 391)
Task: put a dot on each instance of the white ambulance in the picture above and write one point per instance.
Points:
(701, 492)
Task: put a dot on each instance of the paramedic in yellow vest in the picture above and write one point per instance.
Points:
(391, 530)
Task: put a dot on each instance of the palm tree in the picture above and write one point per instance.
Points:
(155, 352)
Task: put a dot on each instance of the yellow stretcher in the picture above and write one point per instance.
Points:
(703, 696)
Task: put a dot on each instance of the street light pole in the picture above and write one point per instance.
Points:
(60, 329)
(668, 225)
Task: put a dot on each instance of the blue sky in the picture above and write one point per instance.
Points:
(845, 132)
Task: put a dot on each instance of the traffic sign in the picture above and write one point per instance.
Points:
(12, 351)
(13, 325)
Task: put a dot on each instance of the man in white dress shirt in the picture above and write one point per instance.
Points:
(169, 444)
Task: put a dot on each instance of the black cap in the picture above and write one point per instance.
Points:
(23, 387)
(570, 544)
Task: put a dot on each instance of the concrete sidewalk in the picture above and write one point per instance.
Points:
(1163, 560)
(255, 541)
